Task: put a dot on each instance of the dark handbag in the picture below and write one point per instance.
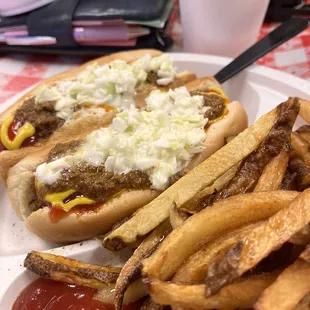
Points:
(55, 20)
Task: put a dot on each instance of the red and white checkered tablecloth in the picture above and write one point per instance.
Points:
(18, 72)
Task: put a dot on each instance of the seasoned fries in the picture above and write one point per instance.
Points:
(195, 268)
(132, 268)
(70, 270)
(259, 242)
(273, 174)
(290, 287)
(238, 295)
(154, 213)
(224, 216)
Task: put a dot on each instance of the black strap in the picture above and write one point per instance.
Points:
(54, 19)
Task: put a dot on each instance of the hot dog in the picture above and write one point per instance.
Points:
(82, 99)
(81, 189)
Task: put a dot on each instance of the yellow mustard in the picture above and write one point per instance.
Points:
(24, 132)
(56, 199)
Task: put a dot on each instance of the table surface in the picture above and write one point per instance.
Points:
(18, 72)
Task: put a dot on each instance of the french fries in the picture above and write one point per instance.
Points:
(195, 268)
(290, 287)
(223, 216)
(132, 268)
(241, 294)
(68, 270)
(252, 167)
(273, 174)
(259, 242)
(193, 204)
(151, 215)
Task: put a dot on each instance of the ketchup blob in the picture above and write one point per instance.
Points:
(50, 295)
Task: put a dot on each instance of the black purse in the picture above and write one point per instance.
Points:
(56, 20)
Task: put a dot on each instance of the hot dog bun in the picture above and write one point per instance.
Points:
(79, 227)
(77, 127)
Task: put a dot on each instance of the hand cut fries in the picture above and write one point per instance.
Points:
(195, 268)
(224, 216)
(252, 167)
(238, 295)
(151, 215)
(273, 174)
(69, 270)
(132, 268)
(290, 287)
(259, 242)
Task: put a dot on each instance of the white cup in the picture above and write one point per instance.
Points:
(221, 27)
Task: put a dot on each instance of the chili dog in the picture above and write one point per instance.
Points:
(80, 100)
(81, 189)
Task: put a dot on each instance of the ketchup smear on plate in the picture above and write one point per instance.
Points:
(50, 295)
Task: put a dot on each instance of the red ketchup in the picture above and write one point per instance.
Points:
(50, 295)
(13, 128)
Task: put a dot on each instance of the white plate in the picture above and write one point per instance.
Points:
(259, 89)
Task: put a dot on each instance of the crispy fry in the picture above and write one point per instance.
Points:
(259, 243)
(224, 216)
(135, 291)
(252, 167)
(303, 172)
(195, 268)
(273, 174)
(63, 269)
(193, 203)
(154, 213)
(301, 147)
(289, 288)
(241, 294)
(132, 268)
(304, 132)
(304, 109)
